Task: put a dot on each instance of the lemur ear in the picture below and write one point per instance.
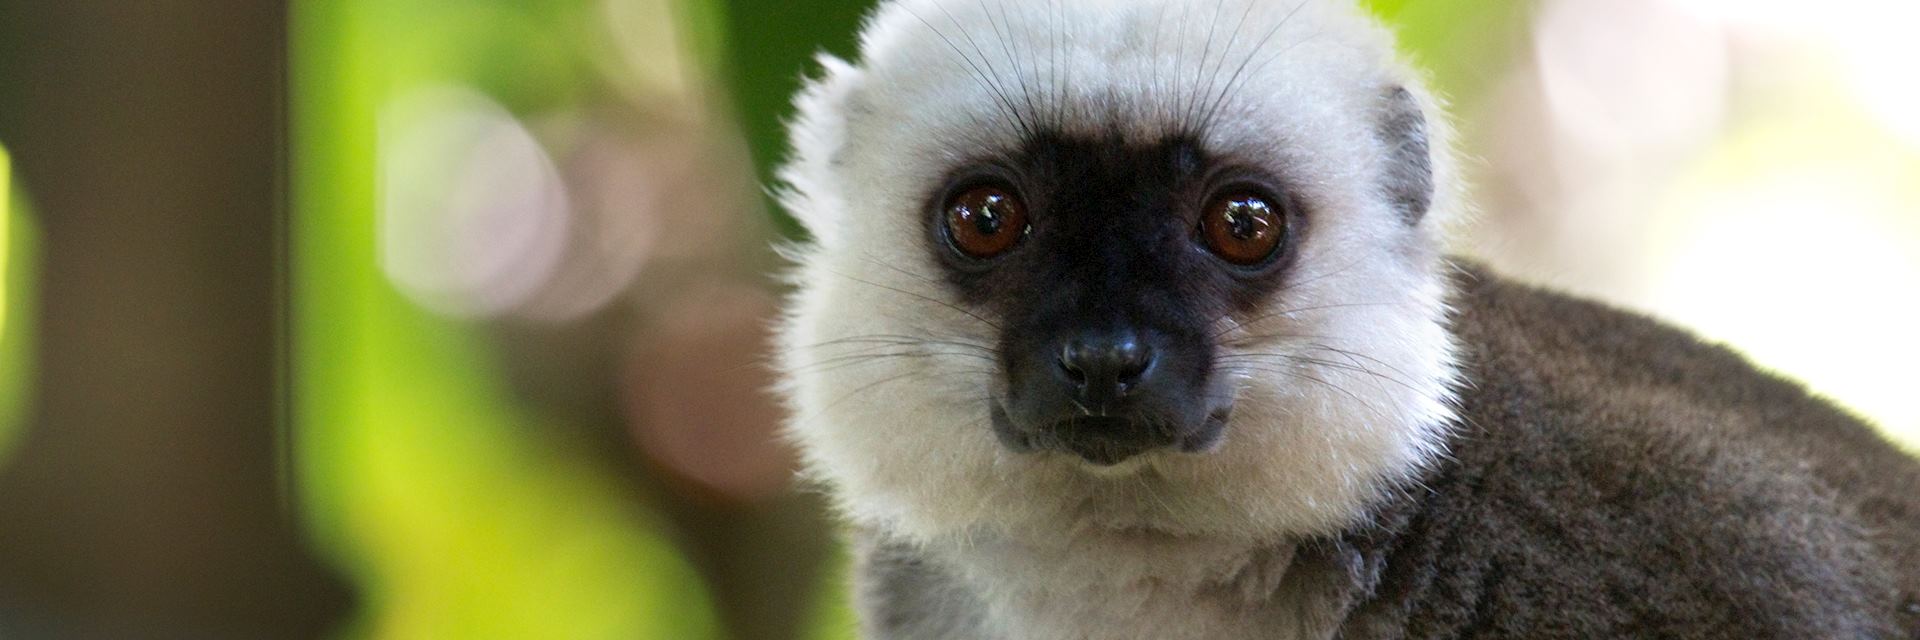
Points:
(1408, 176)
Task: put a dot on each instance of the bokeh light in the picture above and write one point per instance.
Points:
(1623, 75)
(1866, 42)
(473, 214)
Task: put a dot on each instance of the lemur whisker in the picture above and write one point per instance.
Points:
(943, 303)
(837, 364)
(1221, 63)
(1004, 104)
(1297, 310)
(1227, 91)
(1053, 60)
(1278, 54)
(1354, 368)
(881, 351)
(899, 339)
(1010, 50)
(874, 343)
(1363, 356)
(1025, 126)
(1159, 29)
(1193, 94)
(1171, 101)
(1147, 488)
(862, 389)
(869, 258)
(1362, 402)
(1292, 284)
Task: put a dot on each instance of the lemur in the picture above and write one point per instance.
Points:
(1133, 319)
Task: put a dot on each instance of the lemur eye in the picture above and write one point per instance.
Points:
(986, 221)
(1243, 228)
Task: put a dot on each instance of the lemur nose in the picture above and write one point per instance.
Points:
(1105, 367)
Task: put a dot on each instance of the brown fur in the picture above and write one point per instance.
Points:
(1616, 477)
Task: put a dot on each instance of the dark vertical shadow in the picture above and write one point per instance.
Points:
(145, 499)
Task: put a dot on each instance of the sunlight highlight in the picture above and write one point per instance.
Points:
(1868, 42)
(1809, 269)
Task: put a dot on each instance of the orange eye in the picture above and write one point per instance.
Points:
(1243, 228)
(984, 222)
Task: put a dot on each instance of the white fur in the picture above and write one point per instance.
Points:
(904, 443)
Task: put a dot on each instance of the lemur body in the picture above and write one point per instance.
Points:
(1132, 320)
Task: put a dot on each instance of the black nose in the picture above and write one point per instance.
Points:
(1105, 367)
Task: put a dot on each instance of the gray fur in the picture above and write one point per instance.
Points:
(903, 593)
(1408, 179)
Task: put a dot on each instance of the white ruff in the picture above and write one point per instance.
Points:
(903, 443)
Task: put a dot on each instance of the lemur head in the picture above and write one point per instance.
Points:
(1117, 265)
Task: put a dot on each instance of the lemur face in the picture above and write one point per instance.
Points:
(1109, 268)
(1102, 265)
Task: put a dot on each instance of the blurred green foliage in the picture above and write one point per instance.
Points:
(18, 273)
(1462, 46)
(454, 512)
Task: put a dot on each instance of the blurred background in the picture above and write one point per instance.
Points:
(422, 319)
